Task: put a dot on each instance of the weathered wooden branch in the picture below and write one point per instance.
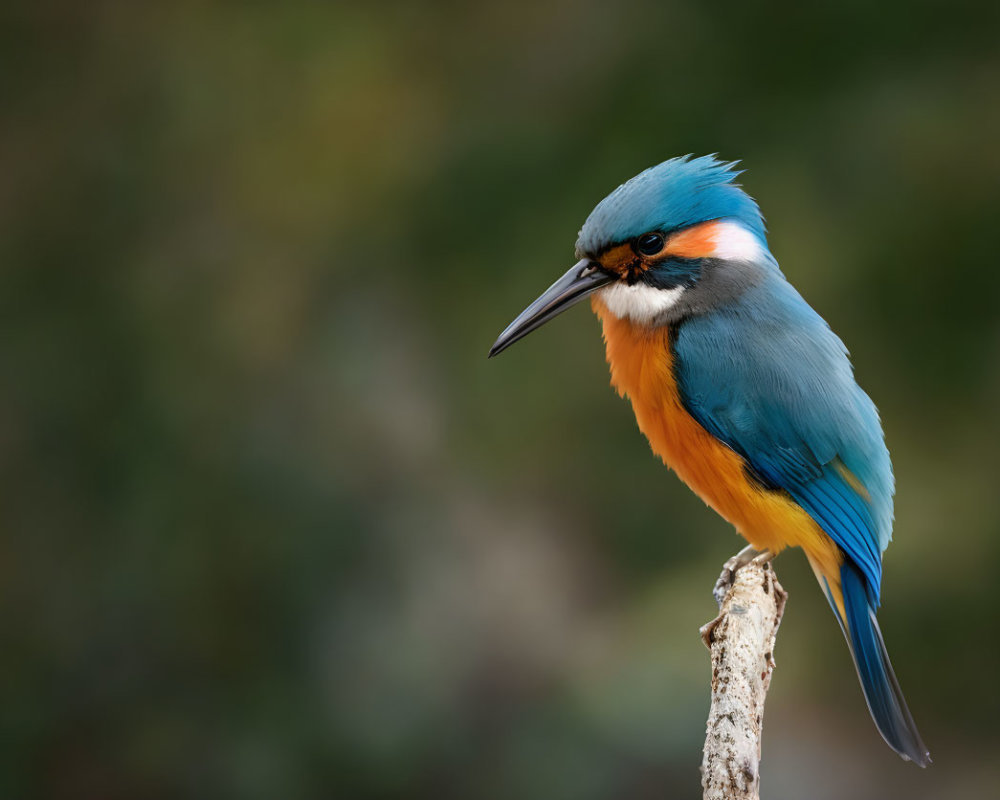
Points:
(741, 638)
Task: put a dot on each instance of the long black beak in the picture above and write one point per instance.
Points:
(582, 278)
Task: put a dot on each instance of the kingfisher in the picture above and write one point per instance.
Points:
(743, 390)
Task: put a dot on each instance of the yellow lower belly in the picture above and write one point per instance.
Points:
(642, 369)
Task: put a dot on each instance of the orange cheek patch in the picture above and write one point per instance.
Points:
(695, 242)
(621, 259)
(698, 241)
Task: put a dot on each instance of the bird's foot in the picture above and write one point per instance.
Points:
(722, 586)
(732, 566)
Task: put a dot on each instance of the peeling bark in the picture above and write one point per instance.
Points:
(741, 638)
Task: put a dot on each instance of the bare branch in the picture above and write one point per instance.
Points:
(742, 640)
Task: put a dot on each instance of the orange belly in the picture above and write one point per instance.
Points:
(642, 369)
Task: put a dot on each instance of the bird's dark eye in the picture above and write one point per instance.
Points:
(649, 244)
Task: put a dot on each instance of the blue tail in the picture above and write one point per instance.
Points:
(878, 681)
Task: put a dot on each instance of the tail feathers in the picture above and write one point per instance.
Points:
(878, 681)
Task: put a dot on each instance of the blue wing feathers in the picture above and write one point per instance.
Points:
(768, 377)
(843, 514)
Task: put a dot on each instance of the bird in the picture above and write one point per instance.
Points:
(743, 390)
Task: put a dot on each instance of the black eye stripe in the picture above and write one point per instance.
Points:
(649, 244)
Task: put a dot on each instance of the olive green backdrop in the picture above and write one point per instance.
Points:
(273, 527)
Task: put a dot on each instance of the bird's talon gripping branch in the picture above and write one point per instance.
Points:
(744, 557)
(747, 555)
(725, 581)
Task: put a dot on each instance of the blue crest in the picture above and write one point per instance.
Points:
(675, 194)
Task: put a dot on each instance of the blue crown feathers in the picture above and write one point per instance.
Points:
(675, 194)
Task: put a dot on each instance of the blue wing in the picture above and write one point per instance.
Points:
(768, 377)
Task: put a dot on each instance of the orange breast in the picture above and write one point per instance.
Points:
(642, 369)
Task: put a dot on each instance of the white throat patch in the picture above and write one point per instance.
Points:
(639, 302)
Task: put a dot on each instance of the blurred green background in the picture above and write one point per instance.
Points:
(272, 524)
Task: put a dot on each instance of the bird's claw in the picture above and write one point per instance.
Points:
(747, 555)
(725, 582)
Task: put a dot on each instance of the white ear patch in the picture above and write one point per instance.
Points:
(639, 302)
(733, 241)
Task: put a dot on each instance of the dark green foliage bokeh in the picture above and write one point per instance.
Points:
(274, 527)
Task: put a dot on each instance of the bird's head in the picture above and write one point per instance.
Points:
(678, 239)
